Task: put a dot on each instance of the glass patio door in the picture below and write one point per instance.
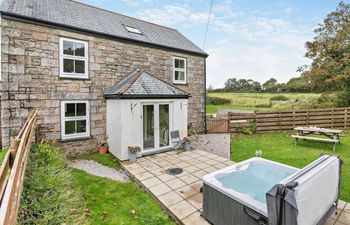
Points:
(156, 126)
(148, 127)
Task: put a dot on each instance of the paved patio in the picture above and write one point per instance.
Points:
(180, 194)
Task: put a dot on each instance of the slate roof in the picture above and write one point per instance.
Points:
(73, 14)
(140, 84)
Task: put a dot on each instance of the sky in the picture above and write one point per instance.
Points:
(251, 39)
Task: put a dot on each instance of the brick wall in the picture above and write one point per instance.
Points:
(30, 63)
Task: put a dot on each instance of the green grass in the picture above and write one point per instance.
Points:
(106, 160)
(2, 154)
(111, 202)
(49, 192)
(280, 147)
(261, 101)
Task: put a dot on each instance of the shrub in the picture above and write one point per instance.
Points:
(217, 101)
(49, 193)
(279, 98)
(263, 105)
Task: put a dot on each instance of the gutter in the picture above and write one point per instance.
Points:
(21, 18)
(128, 96)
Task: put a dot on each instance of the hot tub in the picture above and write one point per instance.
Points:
(242, 188)
(260, 192)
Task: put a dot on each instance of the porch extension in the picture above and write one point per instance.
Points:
(180, 194)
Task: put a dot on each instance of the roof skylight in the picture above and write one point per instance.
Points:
(132, 29)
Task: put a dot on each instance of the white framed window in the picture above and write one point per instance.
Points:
(180, 70)
(75, 119)
(73, 58)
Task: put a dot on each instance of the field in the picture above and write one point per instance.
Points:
(262, 101)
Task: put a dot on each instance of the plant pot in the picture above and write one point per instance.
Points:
(102, 150)
(132, 157)
(186, 146)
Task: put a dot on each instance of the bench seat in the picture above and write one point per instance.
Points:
(315, 138)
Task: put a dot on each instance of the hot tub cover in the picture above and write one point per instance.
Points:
(309, 196)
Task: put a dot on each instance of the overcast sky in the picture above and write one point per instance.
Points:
(255, 39)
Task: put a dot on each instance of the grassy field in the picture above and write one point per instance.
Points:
(280, 147)
(261, 101)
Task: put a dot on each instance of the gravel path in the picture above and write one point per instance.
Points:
(218, 144)
(97, 169)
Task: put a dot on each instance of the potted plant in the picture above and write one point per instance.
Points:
(186, 143)
(133, 153)
(102, 147)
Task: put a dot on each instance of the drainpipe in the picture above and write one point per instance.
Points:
(205, 95)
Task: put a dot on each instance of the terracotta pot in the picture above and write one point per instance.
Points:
(102, 150)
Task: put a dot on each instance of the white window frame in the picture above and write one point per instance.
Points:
(180, 70)
(85, 59)
(64, 119)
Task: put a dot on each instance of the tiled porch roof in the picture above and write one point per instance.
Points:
(140, 84)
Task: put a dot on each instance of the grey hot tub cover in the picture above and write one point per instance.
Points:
(308, 197)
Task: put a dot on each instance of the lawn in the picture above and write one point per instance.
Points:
(112, 202)
(280, 147)
(3, 153)
(55, 194)
(261, 101)
(106, 160)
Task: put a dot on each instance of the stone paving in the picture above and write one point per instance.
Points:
(180, 194)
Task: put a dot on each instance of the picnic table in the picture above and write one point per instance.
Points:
(330, 135)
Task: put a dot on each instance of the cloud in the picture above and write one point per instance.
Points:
(137, 3)
(251, 62)
(242, 43)
(170, 15)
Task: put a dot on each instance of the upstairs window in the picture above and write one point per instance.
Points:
(132, 29)
(75, 121)
(180, 75)
(73, 58)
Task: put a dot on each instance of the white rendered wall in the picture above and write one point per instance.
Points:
(124, 122)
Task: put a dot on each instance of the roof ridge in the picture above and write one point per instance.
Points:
(109, 11)
(165, 82)
(134, 78)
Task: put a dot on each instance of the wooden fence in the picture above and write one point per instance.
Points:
(12, 171)
(283, 120)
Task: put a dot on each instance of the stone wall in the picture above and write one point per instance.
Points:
(30, 78)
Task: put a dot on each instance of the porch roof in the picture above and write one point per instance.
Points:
(140, 84)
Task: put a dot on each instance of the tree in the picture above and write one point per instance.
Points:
(297, 84)
(241, 85)
(270, 85)
(210, 88)
(330, 52)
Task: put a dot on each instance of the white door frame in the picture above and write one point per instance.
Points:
(156, 124)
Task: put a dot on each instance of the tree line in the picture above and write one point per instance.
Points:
(296, 84)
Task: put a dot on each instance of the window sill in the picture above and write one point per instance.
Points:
(75, 139)
(180, 83)
(73, 78)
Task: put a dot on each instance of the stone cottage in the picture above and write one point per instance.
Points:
(97, 75)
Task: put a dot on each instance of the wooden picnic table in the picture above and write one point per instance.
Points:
(331, 135)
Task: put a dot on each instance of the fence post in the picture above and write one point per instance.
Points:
(332, 118)
(346, 118)
(13, 149)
